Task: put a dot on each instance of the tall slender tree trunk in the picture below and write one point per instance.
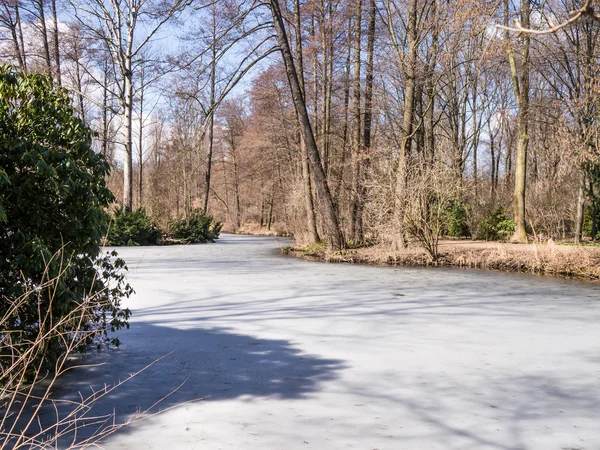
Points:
(141, 142)
(338, 183)
(315, 86)
(311, 224)
(262, 210)
(226, 185)
(78, 81)
(271, 202)
(355, 233)
(493, 176)
(419, 132)
(594, 204)
(498, 159)
(20, 34)
(580, 208)
(588, 70)
(211, 123)
(326, 84)
(407, 125)
(127, 131)
(55, 39)
(105, 107)
(335, 240)
(236, 191)
(476, 134)
(44, 34)
(208, 171)
(368, 119)
(369, 77)
(429, 91)
(520, 78)
(13, 26)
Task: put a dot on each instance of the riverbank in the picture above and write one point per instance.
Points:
(277, 229)
(553, 259)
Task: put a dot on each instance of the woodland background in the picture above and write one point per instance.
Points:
(427, 119)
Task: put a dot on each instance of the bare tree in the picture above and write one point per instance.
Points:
(38, 7)
(10, 21)
(206, 66)
(55, 41)
(126, 28)
(355, 229)
(335, 240)
(304, 157)
(409, 68)
(520, 76)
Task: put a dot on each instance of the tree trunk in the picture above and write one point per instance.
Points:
(368, 119)
(20, 33)
(493, 176)
(476, 134)
(369, 77)
(594, 202)
(127, 131)
(207, 173)
(355, 233)
(270, 218)
(236, 191)
(520, 234)
(313, 232)
(338, 182)
(326, 83)
(335, 240)
(594, 231)
(211, 123)
(104, 110)
(521, 87)
(580, 209)
(407, 124)
(55, 42)
(13, 27)
(79, 84)
(44, 33)
(141, 143)
(429, 91)
(315, 86)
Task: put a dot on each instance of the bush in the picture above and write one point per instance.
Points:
(196, 228)
(53, 196)
(505, 229)
(496, 226)
(132, 228)
(457, 220)
(587, 221)
(426, 208)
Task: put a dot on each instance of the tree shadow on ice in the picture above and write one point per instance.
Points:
(358, 300)
(504, 411)
(200, 365)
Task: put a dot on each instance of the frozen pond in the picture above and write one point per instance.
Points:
(289, 354)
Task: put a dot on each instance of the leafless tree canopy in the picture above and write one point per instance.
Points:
(350, 122)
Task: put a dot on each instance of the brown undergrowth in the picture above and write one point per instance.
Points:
(541, 258)
(255, 229)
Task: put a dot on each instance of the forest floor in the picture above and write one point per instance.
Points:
(547, 258)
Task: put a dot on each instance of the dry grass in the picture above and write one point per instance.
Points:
(541, 258)
(30, 417)
(254, 228)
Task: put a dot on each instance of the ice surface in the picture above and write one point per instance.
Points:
(279, 353)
